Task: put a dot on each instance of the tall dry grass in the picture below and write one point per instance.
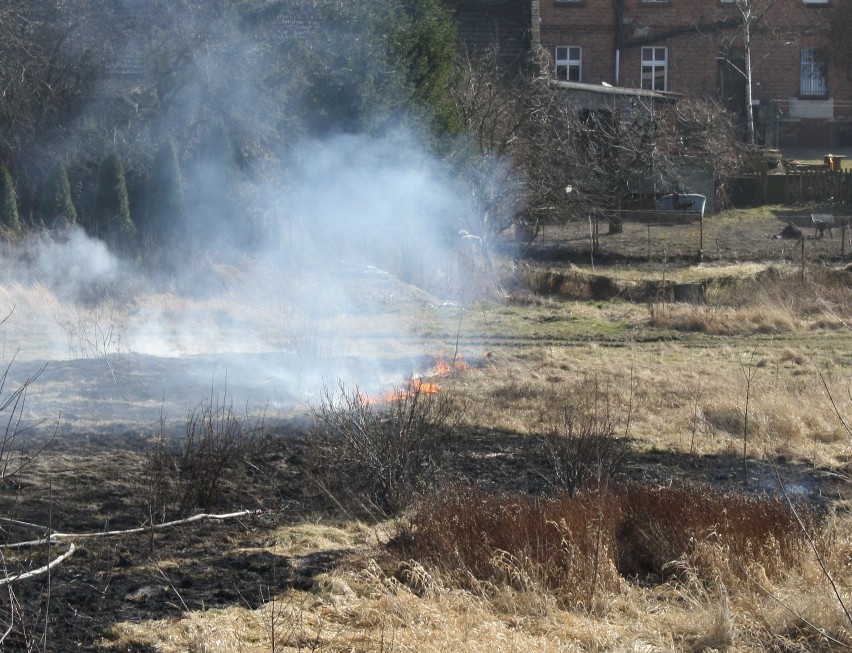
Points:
(774, 301)
(582, 548)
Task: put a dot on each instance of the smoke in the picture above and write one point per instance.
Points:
(71, 264)
(310, 266)
(348, 252)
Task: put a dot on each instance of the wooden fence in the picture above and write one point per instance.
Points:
(795, 185)
(817, 185)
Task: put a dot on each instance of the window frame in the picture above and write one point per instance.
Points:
(812, 79)
(568, 62)
(653, 63)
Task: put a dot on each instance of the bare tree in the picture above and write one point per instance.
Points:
(752, 19)
(837, 24)
(751, 13)
(707, 134)
(528, 139)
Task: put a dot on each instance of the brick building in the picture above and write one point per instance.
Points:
(695, 48)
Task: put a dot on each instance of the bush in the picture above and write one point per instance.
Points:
(378, 455)
(192, 475)
(583, 448)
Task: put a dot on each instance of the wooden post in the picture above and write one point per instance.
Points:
(802, 271)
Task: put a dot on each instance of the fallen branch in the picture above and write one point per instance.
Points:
(55, 536)
(41, 570)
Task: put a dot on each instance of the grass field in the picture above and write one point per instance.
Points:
(615, 472)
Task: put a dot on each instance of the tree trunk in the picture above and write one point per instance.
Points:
(747, 21)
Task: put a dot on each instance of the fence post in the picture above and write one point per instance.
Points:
(649, 236)
(786, 185)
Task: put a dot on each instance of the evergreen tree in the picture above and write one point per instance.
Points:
(422, 37)
(375, 61)
(165, 206)
(217, 220)
(9, 219)
(57, 204)
(111, 211)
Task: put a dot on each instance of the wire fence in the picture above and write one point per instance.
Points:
(669, 236)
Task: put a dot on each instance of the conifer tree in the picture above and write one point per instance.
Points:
(57, 204)
(9, 219)
(165, 205)
(111, 211)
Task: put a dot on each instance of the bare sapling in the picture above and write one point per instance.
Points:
(588, 442)
(192, 474)
(749, 371)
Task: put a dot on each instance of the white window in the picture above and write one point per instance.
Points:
(569, 63)
(655, 68)
(813, 74)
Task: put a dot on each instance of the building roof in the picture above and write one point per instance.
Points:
(607, 89)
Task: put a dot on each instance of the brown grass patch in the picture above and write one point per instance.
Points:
(581, 547)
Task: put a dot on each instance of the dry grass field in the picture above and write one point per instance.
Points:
(584, 465)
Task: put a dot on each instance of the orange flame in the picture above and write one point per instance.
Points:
(445, 367)
(416, 385)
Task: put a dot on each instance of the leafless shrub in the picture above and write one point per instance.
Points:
(12, 459)
(378, 454)
(20, 621)
(588, 445)
(192, 474)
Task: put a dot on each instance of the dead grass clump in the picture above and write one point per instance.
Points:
(665, 525)
(773, 301)
(484, 541)
(719, 321)
(724, 418)
(822, 297)
(579, 547)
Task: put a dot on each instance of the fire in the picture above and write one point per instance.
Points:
(445, 367)
(439, 366)
(412, 387)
